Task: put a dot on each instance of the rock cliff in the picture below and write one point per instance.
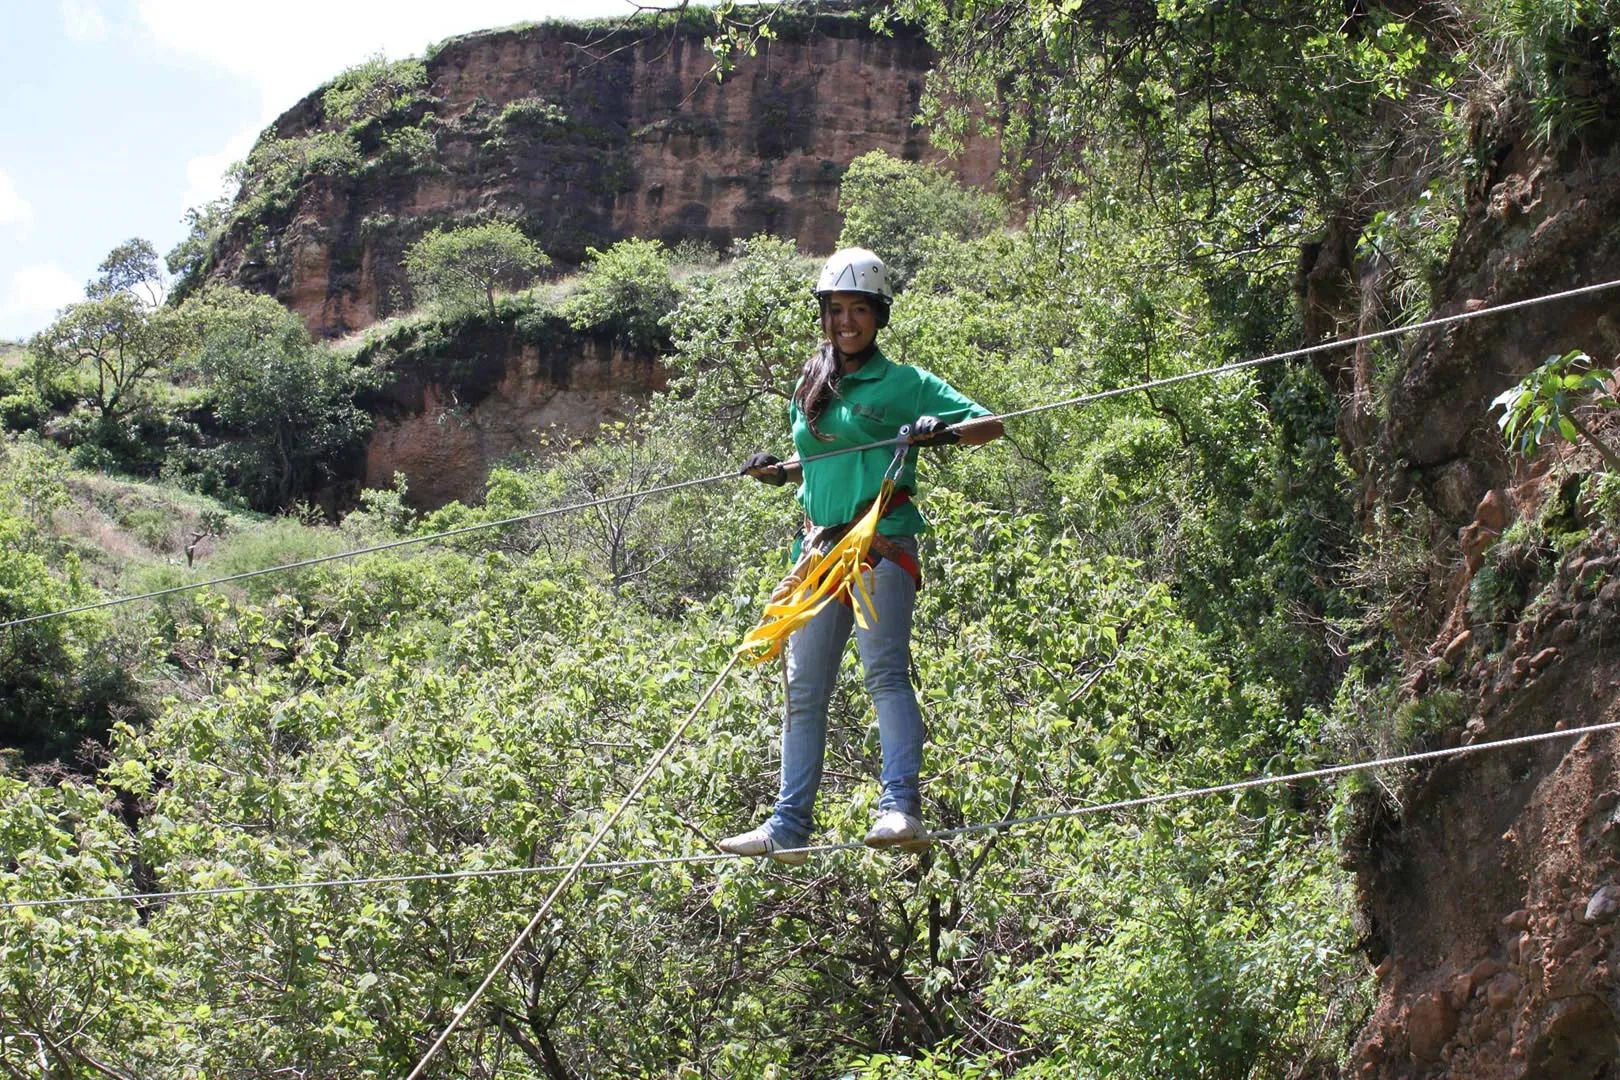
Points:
(1490, 885)
(451, 410)
(584, 135)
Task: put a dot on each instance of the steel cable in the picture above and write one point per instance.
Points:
(1002, 825)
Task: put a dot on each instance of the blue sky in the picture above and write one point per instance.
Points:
(116, 115)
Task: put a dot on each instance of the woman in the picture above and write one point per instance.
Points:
(850, 394)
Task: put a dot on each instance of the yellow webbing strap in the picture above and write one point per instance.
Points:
(833, 575)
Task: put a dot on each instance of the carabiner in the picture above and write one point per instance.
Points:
(902, 447)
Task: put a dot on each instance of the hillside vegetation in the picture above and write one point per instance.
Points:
(1155, 592)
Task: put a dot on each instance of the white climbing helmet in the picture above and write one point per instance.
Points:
(855, 270)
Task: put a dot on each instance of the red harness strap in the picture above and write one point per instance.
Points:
(896, 554)
(885, 548)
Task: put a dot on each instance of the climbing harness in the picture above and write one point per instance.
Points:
(820, 577)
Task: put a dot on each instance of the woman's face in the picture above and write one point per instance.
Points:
(850, 321)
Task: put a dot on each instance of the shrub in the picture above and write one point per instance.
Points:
(408, 148)
(58, 680)
(292, 401)
(373, 88)
(23, 411)
(627, 289)
(531, 116)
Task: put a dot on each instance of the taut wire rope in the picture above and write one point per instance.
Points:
(1082, 399)
(1001, 825)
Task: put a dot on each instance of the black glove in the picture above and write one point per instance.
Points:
(932, 431)
(766, 468)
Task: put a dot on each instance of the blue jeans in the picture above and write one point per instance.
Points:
(813, 655)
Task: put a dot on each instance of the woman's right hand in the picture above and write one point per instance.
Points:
(766, 468)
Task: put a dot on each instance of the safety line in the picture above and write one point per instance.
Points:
(1081, 399)
(624, 804)
(1001, 825)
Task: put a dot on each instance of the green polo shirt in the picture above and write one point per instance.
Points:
(871, 404)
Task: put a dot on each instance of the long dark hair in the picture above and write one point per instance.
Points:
(818, 382)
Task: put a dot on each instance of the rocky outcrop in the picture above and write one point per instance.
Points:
(465, 394)
(1490, 890)
(444, 434)
(586, 135)
(1494, 901)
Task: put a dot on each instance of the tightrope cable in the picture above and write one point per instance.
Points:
(1001, 825)
(1070, 402)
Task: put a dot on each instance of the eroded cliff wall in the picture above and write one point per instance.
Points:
(1490, 885)
(586, 135)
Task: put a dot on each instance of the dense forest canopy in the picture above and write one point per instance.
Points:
(1159, 591)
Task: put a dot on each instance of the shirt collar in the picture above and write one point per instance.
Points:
(872, 369)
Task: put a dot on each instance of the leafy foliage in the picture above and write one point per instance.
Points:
(372, 89)
(131, 267)
(1545, 402)
(1559, 56)
(370, 726)
(277, 168)
(60, 678)
(741, 335)
(627, 289)
(292, 402)
(893, 206)
(1243, 128)
(189, 259)
(111, 351)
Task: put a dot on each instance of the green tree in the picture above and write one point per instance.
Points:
(290, 400)
(114, 343)
(114, 347)
(628, 289)
(77, 989)
(1546, 402)
(462, 268)
(893, 206)
(188, 260)
(741, 336)
(131, 267)
(1246, 130)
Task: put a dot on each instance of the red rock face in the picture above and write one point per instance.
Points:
(650, 145)
(1493, 897)
(445, 445)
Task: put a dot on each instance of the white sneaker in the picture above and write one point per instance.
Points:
(895, 828)
(759, 842)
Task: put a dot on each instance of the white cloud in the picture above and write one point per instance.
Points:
(14, 209)
(83, 22)
(279, 53)
(32, 296)
(205, 174)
